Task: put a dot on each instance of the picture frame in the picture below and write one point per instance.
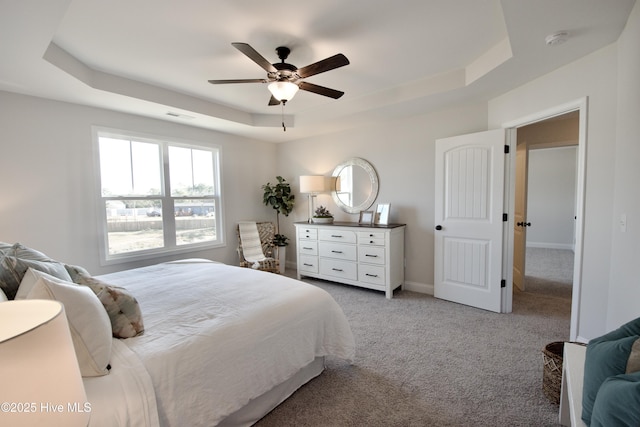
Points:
(366, 218)
(382, 213)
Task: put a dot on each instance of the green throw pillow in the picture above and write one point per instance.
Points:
(609, 355)
(618, 402)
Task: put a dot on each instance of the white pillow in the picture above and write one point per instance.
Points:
(88, 321)
(26, 284)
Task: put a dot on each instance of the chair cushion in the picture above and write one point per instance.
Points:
(250, 240)
(618, 402)
(615, 353)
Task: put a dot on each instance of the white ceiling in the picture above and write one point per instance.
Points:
(151, 57)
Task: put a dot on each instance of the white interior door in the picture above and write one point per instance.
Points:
(469, 219)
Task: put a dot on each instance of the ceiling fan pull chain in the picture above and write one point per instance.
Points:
(284, 128)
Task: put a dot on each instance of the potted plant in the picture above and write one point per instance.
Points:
(322, 215)
(280, 198)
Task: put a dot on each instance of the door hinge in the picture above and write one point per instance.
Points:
(505, 217)
(503, 283)
(506, 149)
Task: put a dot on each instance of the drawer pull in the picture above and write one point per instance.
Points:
(308, 249)
(371, 241)
(336, 235)
(337, 269)
(371, 275)
(370, 235)
(371, 256)
(336, 252)
(307, 265)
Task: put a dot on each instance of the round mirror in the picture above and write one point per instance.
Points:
(356, 185)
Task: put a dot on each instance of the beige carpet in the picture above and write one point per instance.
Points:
(427, 362)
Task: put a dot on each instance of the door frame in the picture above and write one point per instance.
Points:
(580, 105)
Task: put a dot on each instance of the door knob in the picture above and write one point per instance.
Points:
(523, 224)
(438, 227)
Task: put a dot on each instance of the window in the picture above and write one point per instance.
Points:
(157, 196)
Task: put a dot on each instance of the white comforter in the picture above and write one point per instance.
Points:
(217, 336)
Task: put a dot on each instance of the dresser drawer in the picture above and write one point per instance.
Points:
(371, 254)
(308, 264)
(338, 251)
(345, 236)
(337, 268)
(308, 233)
(375, 238)
(307, 247)
(371, 274)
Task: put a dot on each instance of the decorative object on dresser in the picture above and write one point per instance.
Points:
(382, 214)
(366, 218)
(368, 256)
(312, 185)
(255, 246)
(322, 216)
(355, 185)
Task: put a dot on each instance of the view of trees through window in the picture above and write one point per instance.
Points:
(136, 176)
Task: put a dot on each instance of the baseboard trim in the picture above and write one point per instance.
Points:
(422, 288)
(545, 245)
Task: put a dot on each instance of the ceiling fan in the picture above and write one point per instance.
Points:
(285, 79)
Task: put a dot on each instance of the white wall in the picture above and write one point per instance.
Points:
(47, 189)
(402, 152)
(551, 197)
(624, 284)
(594, 76)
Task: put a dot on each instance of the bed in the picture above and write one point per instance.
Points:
(222, 345)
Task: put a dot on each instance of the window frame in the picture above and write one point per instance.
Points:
(170, 247)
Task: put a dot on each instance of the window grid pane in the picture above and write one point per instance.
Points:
(134, 225)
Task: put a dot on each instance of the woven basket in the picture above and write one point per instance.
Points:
(552, 373)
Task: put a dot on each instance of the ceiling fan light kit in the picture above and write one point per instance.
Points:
(283, 91)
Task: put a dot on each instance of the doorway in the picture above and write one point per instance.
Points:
(563, 126)
(545, 207)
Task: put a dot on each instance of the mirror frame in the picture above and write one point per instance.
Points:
(373, 177)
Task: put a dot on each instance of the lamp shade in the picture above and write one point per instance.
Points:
(312, 184)
(283, 91)
(39, 370)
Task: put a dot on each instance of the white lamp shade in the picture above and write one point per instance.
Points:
(283, 91)
(38, 367)
(312, 184)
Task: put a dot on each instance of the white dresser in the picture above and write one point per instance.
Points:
(367, 256)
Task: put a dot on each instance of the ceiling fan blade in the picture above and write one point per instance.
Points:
(273, 101)
(320, 90)
(255, 57)
(224, 82)
(327, 64)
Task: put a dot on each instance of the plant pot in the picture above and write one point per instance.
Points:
(282, 259)
(323, 220)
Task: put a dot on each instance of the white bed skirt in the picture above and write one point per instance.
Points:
(262, 405)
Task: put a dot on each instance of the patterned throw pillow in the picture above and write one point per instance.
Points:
(16, 260)
(122, 307)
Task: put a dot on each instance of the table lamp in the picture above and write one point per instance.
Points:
(41, 382)
(312, 185)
